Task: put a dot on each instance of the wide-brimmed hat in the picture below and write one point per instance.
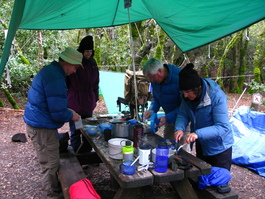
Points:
(72, 56)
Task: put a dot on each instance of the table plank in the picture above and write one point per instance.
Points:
(203, 166)
(168, 176)
(139, 179)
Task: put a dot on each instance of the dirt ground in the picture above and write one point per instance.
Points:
(20, 172)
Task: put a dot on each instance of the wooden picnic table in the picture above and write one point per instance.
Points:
(130, 185)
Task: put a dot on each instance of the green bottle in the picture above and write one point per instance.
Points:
(128, 151)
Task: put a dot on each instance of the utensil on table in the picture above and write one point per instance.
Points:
(180, 147)
(135, 160)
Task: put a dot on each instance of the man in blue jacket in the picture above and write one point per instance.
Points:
(46, 111)
(165, 93)
(204, 104)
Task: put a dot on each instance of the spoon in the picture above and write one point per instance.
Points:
(135, 161)
(180, 147)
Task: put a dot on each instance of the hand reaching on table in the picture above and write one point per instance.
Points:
(76, 116)
(162, 120)
(191, 138)
(147, 114)
(178, 135)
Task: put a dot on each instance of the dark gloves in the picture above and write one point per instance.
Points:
(178, 162)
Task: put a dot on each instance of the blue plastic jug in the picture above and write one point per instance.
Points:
(161, 163)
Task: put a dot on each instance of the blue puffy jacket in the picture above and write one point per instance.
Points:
(167, 94)
(47, 99)
(209, 120)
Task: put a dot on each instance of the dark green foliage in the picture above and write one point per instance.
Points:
(21, 76)
(257, 74)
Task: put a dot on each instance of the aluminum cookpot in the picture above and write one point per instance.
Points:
(121, 130)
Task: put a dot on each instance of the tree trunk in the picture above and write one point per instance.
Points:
(229, 46)
(242, 66)
(10, 99)
(40, 49)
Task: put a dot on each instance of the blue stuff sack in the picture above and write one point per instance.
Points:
(218, 176)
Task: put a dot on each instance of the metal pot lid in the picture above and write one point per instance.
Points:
(115, 121)
(170, 143)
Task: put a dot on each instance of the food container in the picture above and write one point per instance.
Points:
(115, 147)
(91, 130)
(104, 126)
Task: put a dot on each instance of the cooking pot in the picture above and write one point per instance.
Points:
(121, 130)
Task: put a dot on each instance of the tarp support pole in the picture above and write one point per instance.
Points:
(133, 63)
(16, 17)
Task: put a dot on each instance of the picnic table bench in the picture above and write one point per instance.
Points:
(70, 171)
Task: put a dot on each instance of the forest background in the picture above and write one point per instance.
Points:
(236, 62)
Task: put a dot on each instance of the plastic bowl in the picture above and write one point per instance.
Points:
(91, 130)
(104, 126)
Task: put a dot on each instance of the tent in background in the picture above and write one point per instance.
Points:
(189, 23)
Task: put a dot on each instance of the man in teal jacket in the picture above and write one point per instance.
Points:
(204, 104)
(46, 111)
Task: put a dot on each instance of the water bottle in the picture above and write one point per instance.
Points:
(144, 154)
(161, 163)
(137, 134)
(127, 151)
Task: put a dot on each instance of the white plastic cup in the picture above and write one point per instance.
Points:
(144, 154)
(79, 124)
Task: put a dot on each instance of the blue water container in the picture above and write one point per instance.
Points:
(161, 163)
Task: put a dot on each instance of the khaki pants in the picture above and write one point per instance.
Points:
(46, 144)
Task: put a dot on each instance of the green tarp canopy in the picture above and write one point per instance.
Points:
(189, 23)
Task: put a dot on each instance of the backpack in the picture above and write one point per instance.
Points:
(83, 189)
(142, 83)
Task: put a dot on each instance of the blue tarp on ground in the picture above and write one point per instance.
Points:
(249, 134)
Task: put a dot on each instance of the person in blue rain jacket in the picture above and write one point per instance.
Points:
(204, 104)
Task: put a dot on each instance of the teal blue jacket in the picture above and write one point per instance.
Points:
(209, 119)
